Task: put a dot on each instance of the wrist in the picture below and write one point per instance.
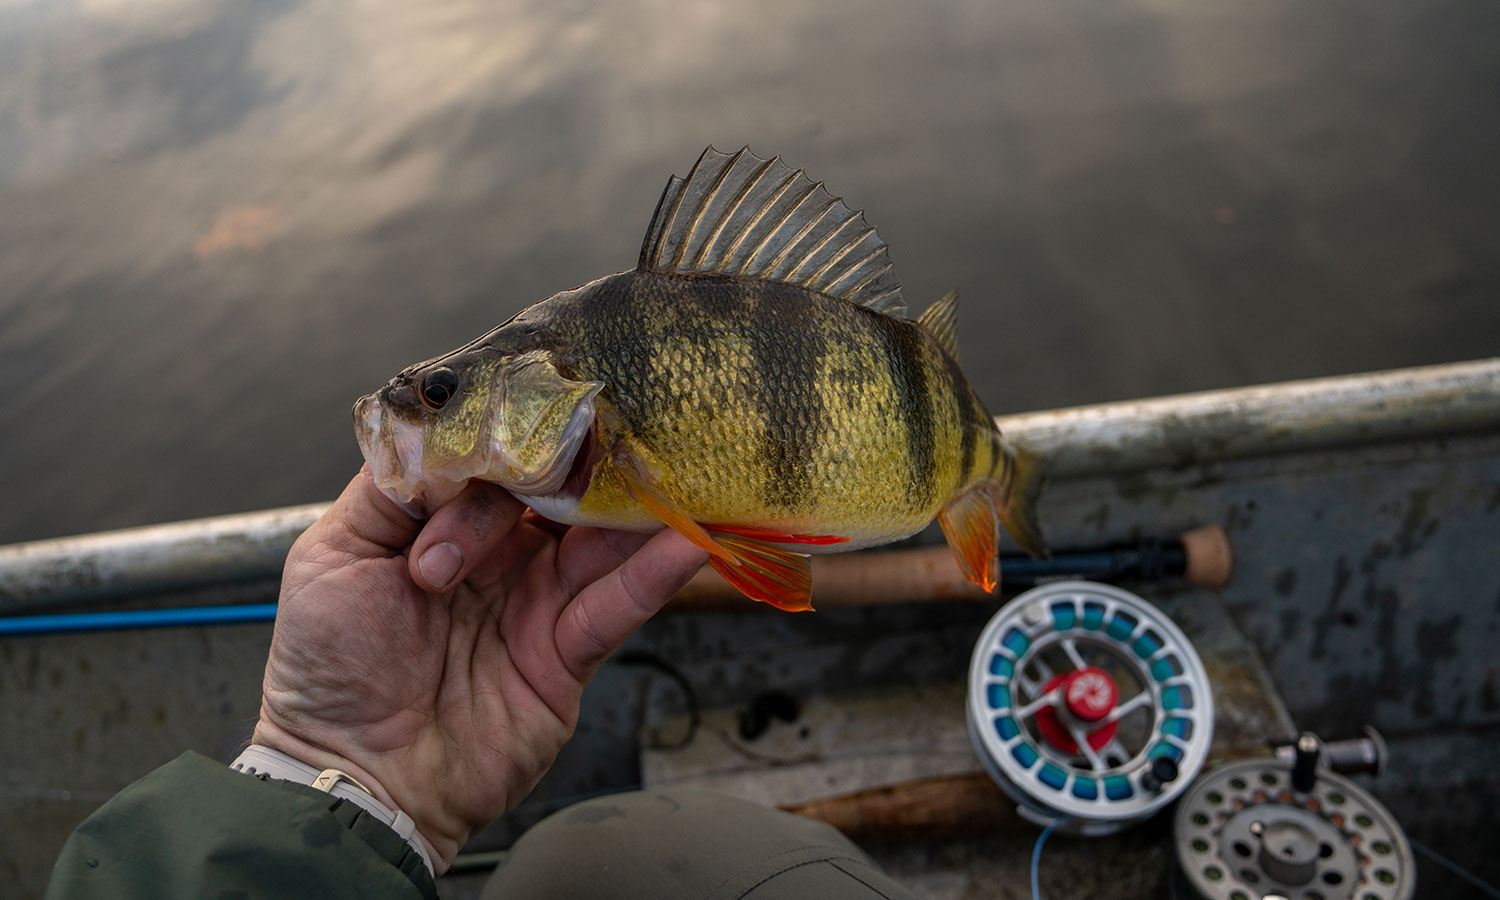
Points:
(435, 845)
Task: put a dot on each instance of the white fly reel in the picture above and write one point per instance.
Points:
(1086, 702)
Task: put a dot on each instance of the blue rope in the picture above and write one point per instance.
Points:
(1454, 867)
(137, 618)
(1036, 856)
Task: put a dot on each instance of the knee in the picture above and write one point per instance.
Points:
(679, 843)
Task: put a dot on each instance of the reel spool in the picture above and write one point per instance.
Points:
(1260, 829)
(1085, 701)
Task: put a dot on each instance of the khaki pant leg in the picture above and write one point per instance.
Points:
(685, 845)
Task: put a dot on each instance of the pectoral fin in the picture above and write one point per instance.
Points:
(759, 570)
(971, 524)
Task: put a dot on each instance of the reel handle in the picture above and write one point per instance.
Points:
(1353, 756)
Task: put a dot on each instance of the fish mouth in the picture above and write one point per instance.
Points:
(393, 450)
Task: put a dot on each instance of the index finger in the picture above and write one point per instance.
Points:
(608, 611)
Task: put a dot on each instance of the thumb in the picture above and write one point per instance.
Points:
(363, 521)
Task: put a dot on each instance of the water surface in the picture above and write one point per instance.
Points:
(221, 222)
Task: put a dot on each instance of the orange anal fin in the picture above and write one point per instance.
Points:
(970, 524)
(778, 537)
(766, 573)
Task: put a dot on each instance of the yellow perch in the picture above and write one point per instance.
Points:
(753, 383)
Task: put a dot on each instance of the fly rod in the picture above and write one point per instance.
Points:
(1202, 557)
(921, 575)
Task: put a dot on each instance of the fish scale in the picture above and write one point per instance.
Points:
(767, 386)
(721, 389)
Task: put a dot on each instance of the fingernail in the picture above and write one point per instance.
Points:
(440, 563)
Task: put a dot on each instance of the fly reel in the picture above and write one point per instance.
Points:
(1086, 702)
(1260, 829)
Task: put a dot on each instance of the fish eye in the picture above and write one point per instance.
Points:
(439, 387)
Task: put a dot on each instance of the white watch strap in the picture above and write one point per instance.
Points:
(263, 762)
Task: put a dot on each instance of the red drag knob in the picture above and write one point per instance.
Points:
(1088, 695)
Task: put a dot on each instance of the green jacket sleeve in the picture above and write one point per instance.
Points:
(195, 828)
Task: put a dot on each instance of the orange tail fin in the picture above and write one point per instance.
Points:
(1019, 493)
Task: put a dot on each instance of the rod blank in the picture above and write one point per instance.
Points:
(923, 575)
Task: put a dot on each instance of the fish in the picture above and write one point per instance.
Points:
(754, 383)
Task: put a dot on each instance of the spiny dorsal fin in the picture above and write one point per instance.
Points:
(941, 321)
(738, 214)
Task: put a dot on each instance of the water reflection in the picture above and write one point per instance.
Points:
(222, 222)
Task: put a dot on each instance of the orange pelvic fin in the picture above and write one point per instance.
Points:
(665, 508)
(778, 537)
(757, 569)
(970, 522)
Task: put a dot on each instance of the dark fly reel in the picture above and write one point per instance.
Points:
(1261, 828)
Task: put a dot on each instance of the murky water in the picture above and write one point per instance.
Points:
(222, 222)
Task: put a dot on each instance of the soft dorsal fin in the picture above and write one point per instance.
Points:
(738, 214)
(941, 321)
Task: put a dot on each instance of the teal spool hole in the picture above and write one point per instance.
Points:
(1006, 727)
(1166, 668)
(1146, 645)
(1177, 727)
(1052, 776)
(1015, 641)
(1024, 755)
(1121, 626)
(1064, 616)
(998, 696)
(1093, 616)
(1178, 696)
(1001, 666)
(1165, 749)
(1117, 787)
(1085, 788)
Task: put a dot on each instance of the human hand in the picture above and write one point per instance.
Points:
(448, 683)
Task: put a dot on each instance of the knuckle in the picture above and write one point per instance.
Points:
(594, 647)
(630, 588)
